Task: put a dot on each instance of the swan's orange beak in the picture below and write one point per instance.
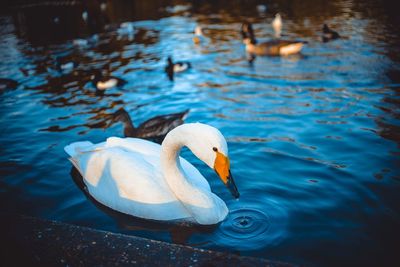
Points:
(221, 167)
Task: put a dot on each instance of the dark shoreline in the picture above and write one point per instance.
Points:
(29, 241)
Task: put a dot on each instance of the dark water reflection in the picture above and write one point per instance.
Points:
(314, 139)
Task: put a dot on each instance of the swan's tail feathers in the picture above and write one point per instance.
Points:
(77, 147)
(76, 165)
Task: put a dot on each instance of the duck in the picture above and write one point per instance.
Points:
(176, 67)
(198, 35)
(151, 181)
(277, 47)
(102, 83)
(328, 34)
(154, 129)
(277, 25)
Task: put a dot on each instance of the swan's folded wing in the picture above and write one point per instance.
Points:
(135, 145)
(152, 152)
(116, 171)
(75, 148)
(128, 182)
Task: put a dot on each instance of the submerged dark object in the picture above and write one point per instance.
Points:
(154, 129)
(329, 34)
(176, 67)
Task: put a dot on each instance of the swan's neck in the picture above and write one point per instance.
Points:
(203, 205)
(173, 172)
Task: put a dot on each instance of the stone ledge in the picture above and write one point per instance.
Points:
(28, 241)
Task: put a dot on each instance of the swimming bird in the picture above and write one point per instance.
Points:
(146, 180)
(277, 25)
(276, 47)
(154, 129)
(198, 35)
(101, 82)
(176, 67)
(328, 34)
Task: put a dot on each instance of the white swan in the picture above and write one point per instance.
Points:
(146, 180)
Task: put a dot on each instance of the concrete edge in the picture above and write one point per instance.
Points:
(29, 241)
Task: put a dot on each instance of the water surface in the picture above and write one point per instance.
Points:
(313, 138)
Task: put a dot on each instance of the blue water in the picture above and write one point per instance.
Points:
(313, 139)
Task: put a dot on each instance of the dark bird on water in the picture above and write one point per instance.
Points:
(277, 47)
(153, 129)
(102, 82)
(329, 34)
(176, 67)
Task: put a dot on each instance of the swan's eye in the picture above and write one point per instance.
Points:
(215, 149)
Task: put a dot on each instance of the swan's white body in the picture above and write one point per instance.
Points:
(144, 179)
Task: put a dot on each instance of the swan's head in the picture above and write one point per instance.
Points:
(209, 145)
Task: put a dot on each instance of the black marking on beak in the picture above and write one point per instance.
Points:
(232, 186)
